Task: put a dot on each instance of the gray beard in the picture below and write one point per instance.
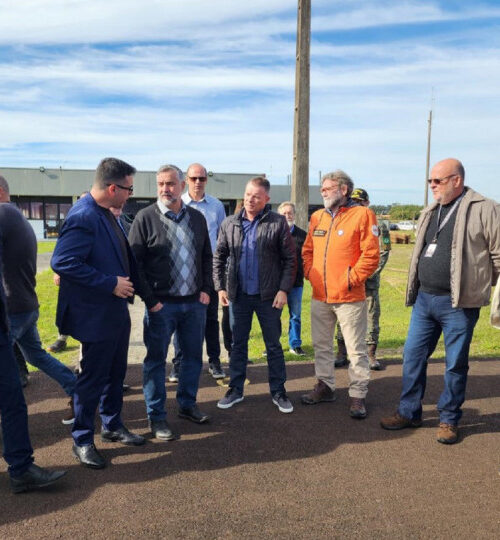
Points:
(169, 202)
(332, 202)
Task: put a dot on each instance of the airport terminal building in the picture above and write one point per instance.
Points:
(46, 195)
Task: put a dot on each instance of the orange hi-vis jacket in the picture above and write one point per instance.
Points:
(340, 253)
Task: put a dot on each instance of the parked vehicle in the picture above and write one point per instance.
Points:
(406, 225)
(393, 227)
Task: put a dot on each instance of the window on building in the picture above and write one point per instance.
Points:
(36, 210)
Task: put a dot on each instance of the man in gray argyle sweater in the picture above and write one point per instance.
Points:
(172, 247)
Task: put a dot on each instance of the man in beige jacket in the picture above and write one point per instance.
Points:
(455, 262)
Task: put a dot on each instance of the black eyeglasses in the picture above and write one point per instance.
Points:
(438, 181)
(200, 178)
(129, 189)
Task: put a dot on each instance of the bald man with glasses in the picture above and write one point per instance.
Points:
(455, 262)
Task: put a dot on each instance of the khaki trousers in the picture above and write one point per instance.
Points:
(353, 321)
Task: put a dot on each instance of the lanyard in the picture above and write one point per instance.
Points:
(446, 219)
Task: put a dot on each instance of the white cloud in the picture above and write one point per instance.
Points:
(214, 81)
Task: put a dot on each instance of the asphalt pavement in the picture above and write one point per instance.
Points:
(253, 472)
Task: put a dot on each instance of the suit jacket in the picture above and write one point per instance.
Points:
(88, 258)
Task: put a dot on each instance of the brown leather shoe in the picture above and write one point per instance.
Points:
(396, 421)
(447, 433)
(357, 408)
(320, 392)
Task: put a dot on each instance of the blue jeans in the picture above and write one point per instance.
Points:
(294, 308)
(17, 449)
(211, 334)
(25, 333)
(188, 320)
(241, 312)
(432, 315)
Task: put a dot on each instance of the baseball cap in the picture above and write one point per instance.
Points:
(360, 195)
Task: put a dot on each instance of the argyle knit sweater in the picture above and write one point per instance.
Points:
(174, 257)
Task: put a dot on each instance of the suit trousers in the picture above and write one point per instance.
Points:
(103, 369)
(352, 319)
(17, 449)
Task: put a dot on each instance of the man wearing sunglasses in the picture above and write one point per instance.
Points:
(98, 274)
(214, 213)
(455, 262)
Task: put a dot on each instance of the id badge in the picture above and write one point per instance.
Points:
(431, 248)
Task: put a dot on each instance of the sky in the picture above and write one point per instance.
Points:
(213, 81)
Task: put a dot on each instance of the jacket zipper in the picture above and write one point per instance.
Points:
(326, 252)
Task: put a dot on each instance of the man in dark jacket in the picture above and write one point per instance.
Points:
(287, 209)
(98, 275)
(172, 247)
(17, 450)
(254, 270)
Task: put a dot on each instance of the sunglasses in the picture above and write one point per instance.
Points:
(129, 189)
(200, 178)
(439, 181)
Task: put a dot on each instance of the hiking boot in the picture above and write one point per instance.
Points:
(231, 398)
(299, 351)
(58, 346)
(357, 408)
(341, 359)
(320, 392)
(447, 433)
(396, 421)
(174, 374)
(280, 399)
(216, 370)
(375, 365)
(69, 417)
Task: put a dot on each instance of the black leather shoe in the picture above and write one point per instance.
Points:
(35, 477)
(161, 430)
(88, 456)
(194, 414)
(124, 436)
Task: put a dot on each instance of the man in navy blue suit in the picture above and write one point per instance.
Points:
(98, 273)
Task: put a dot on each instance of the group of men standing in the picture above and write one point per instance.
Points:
(183, 258)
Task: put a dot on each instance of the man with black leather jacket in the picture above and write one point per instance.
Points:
(254, 270)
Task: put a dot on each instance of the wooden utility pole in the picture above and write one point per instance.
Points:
(300, 167)
(427, 162)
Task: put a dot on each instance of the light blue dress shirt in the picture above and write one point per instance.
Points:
(214, 213)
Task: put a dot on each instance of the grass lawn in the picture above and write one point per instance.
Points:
(394, 319)
(46, 246)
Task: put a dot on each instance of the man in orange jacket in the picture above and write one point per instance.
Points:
(340, 252)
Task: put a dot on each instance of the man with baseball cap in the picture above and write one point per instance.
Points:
(372, 286)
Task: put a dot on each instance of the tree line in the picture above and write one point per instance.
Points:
(398, 212)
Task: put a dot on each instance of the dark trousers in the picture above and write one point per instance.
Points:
(242, 310)
(17, 449)
(226, 329)
(211, 333)
(103, 368)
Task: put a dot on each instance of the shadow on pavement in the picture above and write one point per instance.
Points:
(251, 432)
